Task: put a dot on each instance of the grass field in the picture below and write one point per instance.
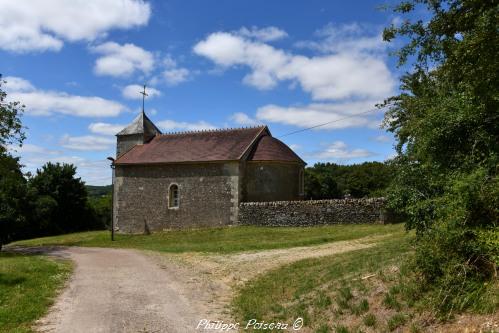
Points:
(220, 240)
(28, 284)
(359, 291)
(329, 293)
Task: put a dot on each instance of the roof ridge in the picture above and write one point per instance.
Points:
(211, 130)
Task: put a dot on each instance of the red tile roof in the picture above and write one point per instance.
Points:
(202, 146)
(268, 148)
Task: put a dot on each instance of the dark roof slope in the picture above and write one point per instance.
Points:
(269, 148)
(202, 146)
(140, 125)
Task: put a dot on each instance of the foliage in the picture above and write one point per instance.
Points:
(12, 182)
(445, 122)
(28, 285)
(332, 181)
(11, 129)
(102, 209)
(12, 198)
(100, 200)
(98, 191)
(59, 201)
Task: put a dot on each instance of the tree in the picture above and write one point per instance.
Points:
(333, 181)
(12, 198)
(60, 203)
(102, 208)
(445, 121)
(12, 182)
(11, 129)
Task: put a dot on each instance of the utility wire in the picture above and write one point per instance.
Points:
(323, 124)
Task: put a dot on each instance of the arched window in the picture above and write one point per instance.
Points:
(173, 196)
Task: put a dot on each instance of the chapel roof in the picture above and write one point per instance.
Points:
(268, 148)
(140, 125)
(210, 146)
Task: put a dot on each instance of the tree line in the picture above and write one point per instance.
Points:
(52, 201)
(334, 181)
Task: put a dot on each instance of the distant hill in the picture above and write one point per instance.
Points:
(98, 191)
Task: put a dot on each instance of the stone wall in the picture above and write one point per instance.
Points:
(208, 196)
(313, 212)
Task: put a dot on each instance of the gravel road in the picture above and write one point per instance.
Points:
(117, 290)
(124, 290)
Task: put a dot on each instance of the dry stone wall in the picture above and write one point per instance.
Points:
(313, 212)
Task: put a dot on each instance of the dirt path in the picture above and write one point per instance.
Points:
(115, 290)
(121, 290)
(235, 269)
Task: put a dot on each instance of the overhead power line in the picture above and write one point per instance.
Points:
(324, 124)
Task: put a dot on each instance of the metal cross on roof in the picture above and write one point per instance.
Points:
(144, 94)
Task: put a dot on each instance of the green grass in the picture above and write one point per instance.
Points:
(292, 290)
(220, 240)
(369, 320)
(396, 321)
(28, 284)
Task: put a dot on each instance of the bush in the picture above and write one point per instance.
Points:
(445, 124)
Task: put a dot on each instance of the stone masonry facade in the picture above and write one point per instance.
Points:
(313, 212)
(208, 196)
(209, 193)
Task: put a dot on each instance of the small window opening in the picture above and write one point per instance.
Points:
(173, 201)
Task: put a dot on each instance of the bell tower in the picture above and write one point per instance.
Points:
(140, 131)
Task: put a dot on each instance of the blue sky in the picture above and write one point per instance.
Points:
(77, 65)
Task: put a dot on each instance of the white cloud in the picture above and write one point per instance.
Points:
(105, 128)
(349, 78)
(43, 102)
(171, 73)
(169, 62)
(27, 25)
(33, 157)
(341, 115)
(172, 125)
(340, 75)
(132, 91)
(28, 148)
(92, 171)
(17, 84)
(175, 76)
(87, 142)
(350, 38)
(382, 139)
(241, 118)
(122, 60)
(339, 151)
(266, 34)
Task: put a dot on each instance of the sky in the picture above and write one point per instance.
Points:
(78, 66)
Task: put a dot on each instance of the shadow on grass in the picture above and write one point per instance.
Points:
(8, 281)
